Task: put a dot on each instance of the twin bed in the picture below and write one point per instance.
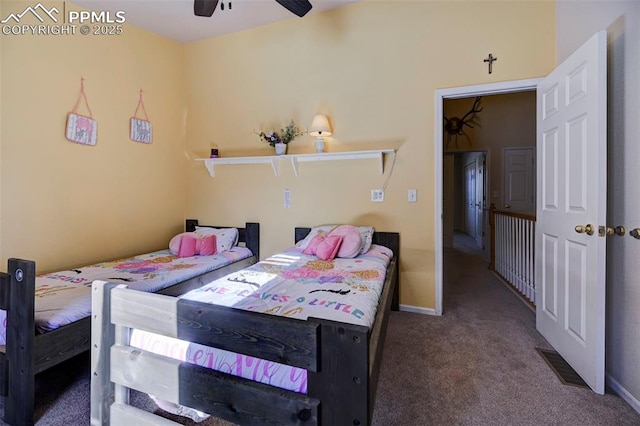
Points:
(278, 342)
(295, 355)
(47, 320)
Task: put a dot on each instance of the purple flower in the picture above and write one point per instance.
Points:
(285, 135)
(329, 279)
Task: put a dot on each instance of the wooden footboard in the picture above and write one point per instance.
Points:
(17, 362)
(342, 360)
(27, 353)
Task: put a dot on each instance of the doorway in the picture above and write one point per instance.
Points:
(465, 209)
(457, 93)
(571, 143)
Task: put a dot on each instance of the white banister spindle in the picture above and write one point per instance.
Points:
(525, 263)
(514, 237)
(519, 252)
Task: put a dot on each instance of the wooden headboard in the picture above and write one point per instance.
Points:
(250, 234)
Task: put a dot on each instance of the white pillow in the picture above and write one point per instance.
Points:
(226, 238)
(366, 232)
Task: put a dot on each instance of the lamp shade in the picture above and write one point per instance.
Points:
(320, 126)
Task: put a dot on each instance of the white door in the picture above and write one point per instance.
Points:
(480, 199)
(572, 158)
(470, 198)
(519, 180)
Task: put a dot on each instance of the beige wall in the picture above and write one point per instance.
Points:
(66, 204)
(373, 67)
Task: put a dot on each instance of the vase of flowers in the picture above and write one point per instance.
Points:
(281, 148)
(280, 139)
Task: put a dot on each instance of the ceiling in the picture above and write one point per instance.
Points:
(175, 19)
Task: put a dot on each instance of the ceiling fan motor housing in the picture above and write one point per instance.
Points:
(204, 7)
(207, 7)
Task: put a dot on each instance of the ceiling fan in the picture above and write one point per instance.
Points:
(206, 7)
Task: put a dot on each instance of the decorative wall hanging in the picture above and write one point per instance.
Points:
(140, 129)
(82, 129)
(454, 126)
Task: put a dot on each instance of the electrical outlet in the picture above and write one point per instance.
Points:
(413, 195)
(377, 195)
(287, 198)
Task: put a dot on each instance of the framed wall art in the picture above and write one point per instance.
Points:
(81, 128)
(141, 130)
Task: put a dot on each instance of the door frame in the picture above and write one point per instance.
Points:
(453, 93)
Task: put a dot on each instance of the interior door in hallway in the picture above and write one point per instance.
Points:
(480, 182)
(519, 180)
(470, 217)
(571, 205)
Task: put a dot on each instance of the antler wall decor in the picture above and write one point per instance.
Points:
(454, 126)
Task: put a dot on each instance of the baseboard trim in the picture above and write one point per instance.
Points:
(418, 310)
(623, 393)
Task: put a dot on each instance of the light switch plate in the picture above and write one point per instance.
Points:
(287, 198)
(412, 195)
(377, 195)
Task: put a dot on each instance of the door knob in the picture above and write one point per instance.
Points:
(635, 233)
(588, 229)
(507, 206)
(603, 231)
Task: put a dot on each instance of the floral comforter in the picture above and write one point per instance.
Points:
(289, 284)
(64, 297)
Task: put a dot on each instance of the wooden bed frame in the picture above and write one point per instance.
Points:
(28, 353)
(342, 360)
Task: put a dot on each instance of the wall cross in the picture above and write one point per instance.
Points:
(490, 59)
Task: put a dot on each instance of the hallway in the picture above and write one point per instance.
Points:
(463, 242)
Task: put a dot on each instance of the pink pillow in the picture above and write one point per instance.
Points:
(313, 244)
(328, 248)
(189, 244)
(174, 244)
(208, 245)
(325, 248)
(351, 241)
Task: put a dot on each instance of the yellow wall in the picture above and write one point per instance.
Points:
(372, 67)
(66, 204)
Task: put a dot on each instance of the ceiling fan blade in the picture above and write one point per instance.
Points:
(204, 7)
(299, 7)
